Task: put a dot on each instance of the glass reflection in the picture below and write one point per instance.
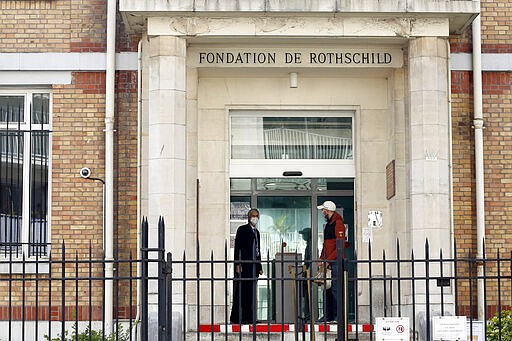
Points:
(258, 137)
(284, 184)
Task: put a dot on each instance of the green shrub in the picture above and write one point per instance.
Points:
(92, 335)
(494, 324)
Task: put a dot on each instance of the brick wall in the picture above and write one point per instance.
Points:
(496, 38)
(58, 26)
(78, 140)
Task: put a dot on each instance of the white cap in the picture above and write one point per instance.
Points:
(328, 205)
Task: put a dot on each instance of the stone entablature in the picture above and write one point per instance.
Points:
(459, 13)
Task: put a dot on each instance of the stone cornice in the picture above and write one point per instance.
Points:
(458, 13)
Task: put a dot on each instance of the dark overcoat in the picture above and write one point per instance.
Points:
(244, 250)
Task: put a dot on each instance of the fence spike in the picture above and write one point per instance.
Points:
(483, 247)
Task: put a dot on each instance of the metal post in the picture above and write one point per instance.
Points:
(341, 296)
(144, 282)
(162, 319)
(168, 286)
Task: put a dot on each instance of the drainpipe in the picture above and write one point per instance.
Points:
(478, 123)
(139, 165)
(450, 148)
(109, 162)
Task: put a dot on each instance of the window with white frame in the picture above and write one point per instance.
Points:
(25, 131)
(271, 143)
(263, 136)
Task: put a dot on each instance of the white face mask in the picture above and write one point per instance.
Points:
(254, 221)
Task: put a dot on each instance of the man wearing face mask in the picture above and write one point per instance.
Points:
(334, 229)
(247, 269)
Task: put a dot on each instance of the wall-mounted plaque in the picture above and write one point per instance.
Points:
(390, 180)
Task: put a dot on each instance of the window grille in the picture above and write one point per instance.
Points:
(24, 167)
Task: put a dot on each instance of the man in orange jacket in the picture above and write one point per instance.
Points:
(334, 229)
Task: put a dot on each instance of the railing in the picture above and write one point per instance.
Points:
(415, 288)
(45, 298)
(11, 227)
(189, 298)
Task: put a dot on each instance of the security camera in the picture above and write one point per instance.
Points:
(85, 172)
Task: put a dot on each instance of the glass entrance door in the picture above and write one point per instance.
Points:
(291, 228)
(283, 219)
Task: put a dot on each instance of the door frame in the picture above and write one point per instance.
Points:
(314, 193)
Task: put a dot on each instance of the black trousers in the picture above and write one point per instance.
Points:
(244, 299)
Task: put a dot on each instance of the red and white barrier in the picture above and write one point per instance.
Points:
(279, 328)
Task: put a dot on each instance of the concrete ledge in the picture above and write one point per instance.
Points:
(342, 6)
(460, 12)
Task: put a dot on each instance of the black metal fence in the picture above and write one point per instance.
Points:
(161, 296)
(415, 287)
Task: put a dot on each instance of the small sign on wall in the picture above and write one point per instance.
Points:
(449, 328)
(367, 235)
(374, 219)
(476, 331)
(392, 328)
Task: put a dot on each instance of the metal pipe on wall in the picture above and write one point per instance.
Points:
(109, 162)
(478, 124)
(450, 148)
(139, 165)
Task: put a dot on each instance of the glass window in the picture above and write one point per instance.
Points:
(12, 109)
(240, 184)
(281, 220)
(24, 167)
(283, 184)
(239, 207)
(258, 136)
(335, 184)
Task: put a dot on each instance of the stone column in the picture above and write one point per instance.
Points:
(166, 153)
(429, 147)
(167, 141)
